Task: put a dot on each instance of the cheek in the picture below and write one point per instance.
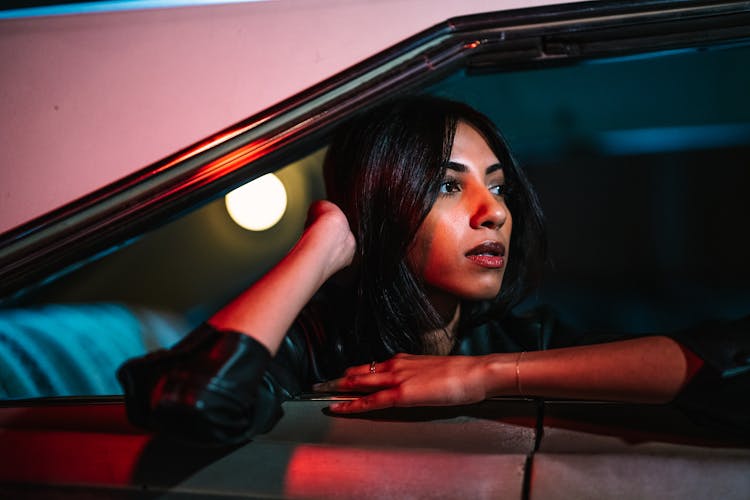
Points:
(435, 248)
(418, 256)
(507, 230)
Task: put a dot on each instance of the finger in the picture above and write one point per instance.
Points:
(361, 369)
(376, 401)
(388, 365)
(357, 383)
(327, 386)
(316, 209)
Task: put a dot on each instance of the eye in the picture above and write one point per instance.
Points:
(449, 186)
(499, 190)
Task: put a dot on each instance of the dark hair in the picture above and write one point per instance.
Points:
(384, 169)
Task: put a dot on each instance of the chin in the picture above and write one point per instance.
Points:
(477, 289)
(481, 297)
(484, 293)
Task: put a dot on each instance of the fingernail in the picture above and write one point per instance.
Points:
(337, 406)
(317, 386)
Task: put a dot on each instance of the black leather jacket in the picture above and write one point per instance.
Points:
(223, 387)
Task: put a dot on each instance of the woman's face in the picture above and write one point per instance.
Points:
(461, 248)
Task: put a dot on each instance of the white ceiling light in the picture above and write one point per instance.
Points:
(259, 204)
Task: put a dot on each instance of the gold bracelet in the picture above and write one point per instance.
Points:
(518, 373)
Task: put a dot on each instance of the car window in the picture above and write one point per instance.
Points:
(640, 161)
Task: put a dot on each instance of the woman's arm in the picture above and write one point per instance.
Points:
(214, 385)
(267, 309)
(644, 370)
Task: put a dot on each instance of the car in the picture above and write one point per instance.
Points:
(632, 121)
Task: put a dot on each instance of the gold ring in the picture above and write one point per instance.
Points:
(372, 368)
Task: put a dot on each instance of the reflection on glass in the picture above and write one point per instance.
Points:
(259, 204)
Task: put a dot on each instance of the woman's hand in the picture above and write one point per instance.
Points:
(267, 309)
(642, 370)
(328, 227)
(409, 380)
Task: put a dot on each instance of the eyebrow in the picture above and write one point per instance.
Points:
(460, 167)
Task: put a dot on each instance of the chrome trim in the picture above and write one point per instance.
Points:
(55, 242)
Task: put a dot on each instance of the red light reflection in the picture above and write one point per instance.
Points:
(340, 472)
(69, 457)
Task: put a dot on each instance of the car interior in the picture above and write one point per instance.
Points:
(639, 157)
(632, 121)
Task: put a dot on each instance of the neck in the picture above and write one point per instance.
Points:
(442, 340)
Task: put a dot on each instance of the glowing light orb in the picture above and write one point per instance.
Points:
(259, 204)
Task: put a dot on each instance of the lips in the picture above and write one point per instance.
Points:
(490, 254)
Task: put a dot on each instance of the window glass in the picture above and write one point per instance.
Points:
(640, 163)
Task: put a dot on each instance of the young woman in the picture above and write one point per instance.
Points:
(430, 236)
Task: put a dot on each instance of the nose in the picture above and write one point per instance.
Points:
(490, 212)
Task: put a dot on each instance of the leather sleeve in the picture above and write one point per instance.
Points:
(723, 346)
(718, 395)
(212, 387)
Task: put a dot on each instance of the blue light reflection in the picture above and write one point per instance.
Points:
(671, 139)
(113, 6)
